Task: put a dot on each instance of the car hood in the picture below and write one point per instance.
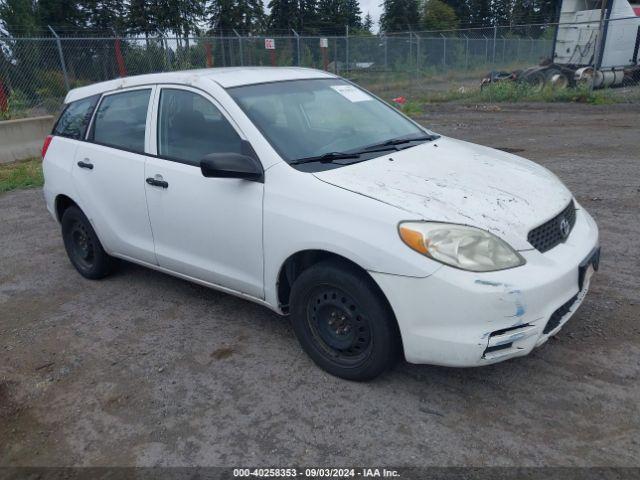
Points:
(458, 182)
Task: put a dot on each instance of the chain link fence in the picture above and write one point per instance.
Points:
(481, 64)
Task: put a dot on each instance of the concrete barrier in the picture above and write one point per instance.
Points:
(21, 139)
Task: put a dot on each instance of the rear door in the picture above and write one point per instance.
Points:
(68, 132)
(108, 172)
(206, 228)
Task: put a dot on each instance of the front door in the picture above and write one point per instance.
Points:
(206, 228)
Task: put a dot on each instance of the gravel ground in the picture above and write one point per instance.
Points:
(145, 369)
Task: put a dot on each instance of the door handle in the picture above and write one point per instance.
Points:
(87, 164)
(157, 183)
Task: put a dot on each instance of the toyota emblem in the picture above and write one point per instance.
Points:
(565, 227)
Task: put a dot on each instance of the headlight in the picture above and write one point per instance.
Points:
(460, 246)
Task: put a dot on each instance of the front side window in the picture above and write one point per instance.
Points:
(191, 127)
(121, 120)
(75, 118)
(304, 119)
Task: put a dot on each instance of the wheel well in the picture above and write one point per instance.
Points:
(62, 203)
(301, 261)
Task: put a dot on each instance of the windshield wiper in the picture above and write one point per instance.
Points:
(397, 141)
(325, 157)
(378, 147)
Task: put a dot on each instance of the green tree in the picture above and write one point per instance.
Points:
(142, 17)
(549, 10)
(284, 14)
(246, 16)
(105, 15)
(21, 63)
(352, 14)
(61, 13)
(249, 15)
(437, 15)
(526, 12)
(501, 12)
(222, 15)
(181, 17)
(462, 9)
(399, 15)
(308, 15)
(367, 23)
(18, 17)
(480, 13)
(336, 14)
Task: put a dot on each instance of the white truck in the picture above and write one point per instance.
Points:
(597, 42)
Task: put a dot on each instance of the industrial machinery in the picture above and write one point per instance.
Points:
(597, 42)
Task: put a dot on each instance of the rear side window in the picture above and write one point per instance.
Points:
(121, 120)
(75, 118)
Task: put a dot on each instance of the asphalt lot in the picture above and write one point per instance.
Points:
(145, 369)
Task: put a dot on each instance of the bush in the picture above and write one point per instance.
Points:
(51, 84)
(18, 105)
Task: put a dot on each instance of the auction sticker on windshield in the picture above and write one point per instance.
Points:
(351, 93)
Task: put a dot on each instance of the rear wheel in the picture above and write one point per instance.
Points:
(343, 322)
(83, 246)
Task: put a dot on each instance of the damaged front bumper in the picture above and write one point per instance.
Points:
(463, 319)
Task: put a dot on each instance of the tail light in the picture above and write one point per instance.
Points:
(45, 145)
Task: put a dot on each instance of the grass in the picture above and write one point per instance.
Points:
(513, 92)
(24, 174)
(412, 108)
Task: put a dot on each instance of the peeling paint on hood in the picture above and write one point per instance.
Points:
(459, 182)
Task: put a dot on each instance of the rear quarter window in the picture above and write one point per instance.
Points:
(75, 118)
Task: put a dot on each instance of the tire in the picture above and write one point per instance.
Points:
(560, 81)
(83, 246)
(537, 80)
(343, 322)
(550, 72)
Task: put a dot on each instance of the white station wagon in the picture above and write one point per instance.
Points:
(296, 189)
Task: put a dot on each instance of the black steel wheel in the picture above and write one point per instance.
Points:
(343, 321)
(83, 246)
(339, 325)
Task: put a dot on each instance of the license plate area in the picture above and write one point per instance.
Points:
(588, 266)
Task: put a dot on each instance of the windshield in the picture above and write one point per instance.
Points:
(307, 119)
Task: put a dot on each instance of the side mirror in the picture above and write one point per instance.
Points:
(232, 165)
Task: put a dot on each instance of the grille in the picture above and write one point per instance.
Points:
(549, 234)
(556, 316)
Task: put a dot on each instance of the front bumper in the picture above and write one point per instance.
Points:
(463, 319)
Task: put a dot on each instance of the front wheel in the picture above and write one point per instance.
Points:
(343, 322)
(83, 246)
